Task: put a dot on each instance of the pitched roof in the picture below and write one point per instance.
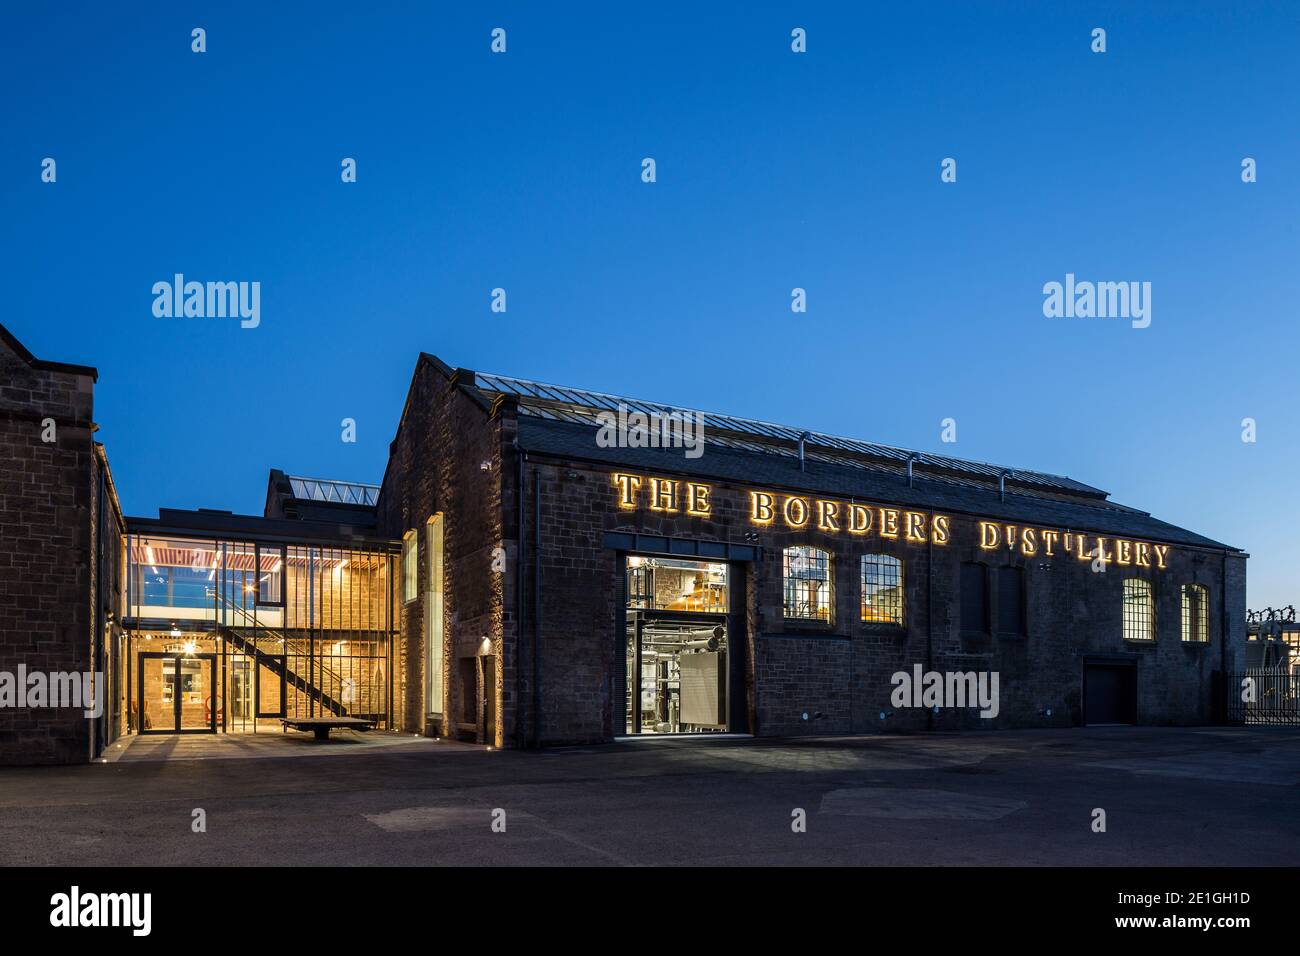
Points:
(575, 441)
(21, 351)
(561, 421)
(563, 403)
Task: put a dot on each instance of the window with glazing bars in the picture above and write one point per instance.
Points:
(807, 577)
(270, 575)
(1196, 618)
(882, 589)
(1139, 610)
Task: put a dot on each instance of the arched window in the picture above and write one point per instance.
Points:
(1196, 613)
(1139, 610)
(882, 589)
(807, 577)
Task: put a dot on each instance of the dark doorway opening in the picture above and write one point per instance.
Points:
(488, 682)
(1109, 694)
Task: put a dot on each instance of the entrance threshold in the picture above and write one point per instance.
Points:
(679, 738)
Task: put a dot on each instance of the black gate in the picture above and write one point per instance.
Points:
(1263, 697)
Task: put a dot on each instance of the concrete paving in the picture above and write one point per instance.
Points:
(1178, 797)
(275, 745)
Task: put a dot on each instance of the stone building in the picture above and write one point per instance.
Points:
(579, 577)
(60, 541)
(543, 565)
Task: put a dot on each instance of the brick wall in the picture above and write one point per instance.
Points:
(448, 457)
(107, 581)
(456, 455)
(47, 550)
(839, 673)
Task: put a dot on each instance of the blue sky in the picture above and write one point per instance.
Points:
(774, 170)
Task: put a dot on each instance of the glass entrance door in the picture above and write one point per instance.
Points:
(240, 695)
(178, 694)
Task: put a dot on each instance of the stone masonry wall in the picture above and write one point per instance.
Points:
(839, 673)
(46, 550)
(448, 456)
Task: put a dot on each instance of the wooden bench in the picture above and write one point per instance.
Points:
(322, 726)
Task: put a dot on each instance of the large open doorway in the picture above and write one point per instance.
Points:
(677, 664)
(676, 673)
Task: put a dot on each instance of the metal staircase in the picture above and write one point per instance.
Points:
(279, 663)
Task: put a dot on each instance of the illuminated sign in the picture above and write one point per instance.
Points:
(1034, 541)
(832, 516)
(670, 495)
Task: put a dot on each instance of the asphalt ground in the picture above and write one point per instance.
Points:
(1170, 796)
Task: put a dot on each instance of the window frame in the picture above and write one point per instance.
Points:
(1201, 618)
(258, 549)
(1022, 617)
(434, 617)
(1150, 623)
(986, 622)
(816, 555)
(410, 566)
(880, 561)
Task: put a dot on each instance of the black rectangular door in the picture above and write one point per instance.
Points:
(488, 681)
(178, 693)
(1109, 694)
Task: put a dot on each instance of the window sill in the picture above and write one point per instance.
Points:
(1140, 641)
(1199, 645)
(793, 626)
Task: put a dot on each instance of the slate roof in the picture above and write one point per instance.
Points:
(565, 403)
(577, 441)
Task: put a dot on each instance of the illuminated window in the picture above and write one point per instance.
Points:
(807, 577)
(410, 565)
(882, 589)
(270, 575)
(434, 626)
(1139, 610)
(675, 584)
(1196, 613)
